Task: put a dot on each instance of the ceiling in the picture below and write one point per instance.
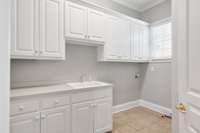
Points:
(139, 5)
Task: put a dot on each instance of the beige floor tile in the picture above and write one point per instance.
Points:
(127, 129)
(140, 120)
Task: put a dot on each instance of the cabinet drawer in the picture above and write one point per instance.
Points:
(82, 96)
(24, 107)
(107, 92)
(91, 95)
(55, 102)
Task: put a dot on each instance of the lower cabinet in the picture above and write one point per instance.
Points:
(29, 123)
(103, 116)
(92, 117)
(79, 112)
(49, 121)
(56, 120)
(82, 118)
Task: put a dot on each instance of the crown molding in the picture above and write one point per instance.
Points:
(139, 8)
(151, 5)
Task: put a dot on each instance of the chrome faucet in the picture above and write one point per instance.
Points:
(82, 77)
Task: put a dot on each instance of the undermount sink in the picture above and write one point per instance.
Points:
(86, 84)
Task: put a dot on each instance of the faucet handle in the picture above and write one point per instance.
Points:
(82, 77)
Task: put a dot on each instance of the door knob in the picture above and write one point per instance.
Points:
(181, 108)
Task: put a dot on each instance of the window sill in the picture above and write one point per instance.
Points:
(164, 60)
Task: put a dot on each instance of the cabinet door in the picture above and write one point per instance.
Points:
(52, 33)
(25, 29)
(111, 48)
(82, 118)
(25, 123)
(56, 120)
(135, 43)
(75, 21)
(96, 25)
(103, 115)
(145, 43)
(140, 42)
(125, 39)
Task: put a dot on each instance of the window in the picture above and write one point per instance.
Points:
(161, 40)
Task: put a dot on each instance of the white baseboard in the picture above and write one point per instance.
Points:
(155, 107)
(143, 103)
(125, 106)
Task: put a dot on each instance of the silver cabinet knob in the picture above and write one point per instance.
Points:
(43, 116)
(94, 105)
(56, 102)
(21, 108)
(37, 117)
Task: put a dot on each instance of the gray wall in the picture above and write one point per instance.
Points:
(80, 59)
(156, 83)
(156, 86)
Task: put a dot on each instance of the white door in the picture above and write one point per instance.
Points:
(25, 28)
(56, 120)
(52, 33)
(29, 123)
(5, 65)
(187, 64)
(124, 37)
(103, 116)
(75, 21)
(82, 118)
(96, 25)
(111, 47)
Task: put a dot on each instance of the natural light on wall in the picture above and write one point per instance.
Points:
(161, 40)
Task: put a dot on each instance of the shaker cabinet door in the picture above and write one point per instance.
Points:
(24, 28)
(75, 21)
(29, 123)
(82, 118)
(56, 120)
(52, 33)
(103, 115)
(96, 26)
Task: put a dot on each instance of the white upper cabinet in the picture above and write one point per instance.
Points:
(110, 49)
(82, 23)
(56, 120)
(145, 43)
(52, 33)
(37, 29)
(125, 39)
(29, 123)
(25, 28)
(140, 42)
(75, 20)
(96, 24)
(118, 39)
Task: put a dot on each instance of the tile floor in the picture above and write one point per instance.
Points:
(140, 120)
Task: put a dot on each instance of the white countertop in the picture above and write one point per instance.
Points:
(30, 91)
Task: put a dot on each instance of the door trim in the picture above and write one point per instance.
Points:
(179, 74)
